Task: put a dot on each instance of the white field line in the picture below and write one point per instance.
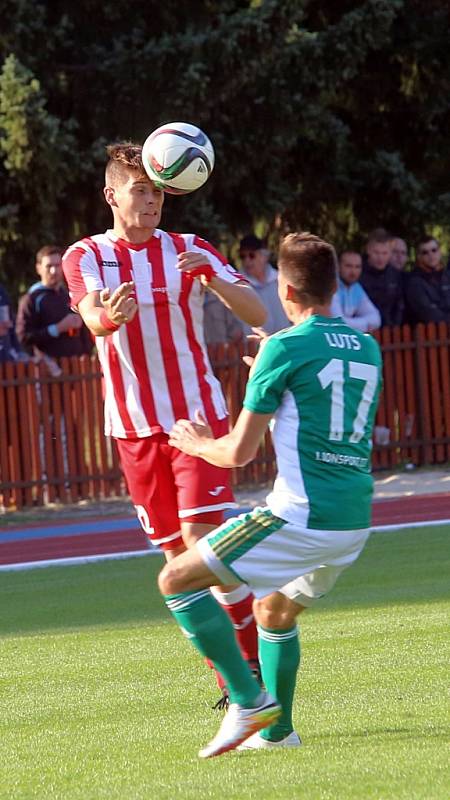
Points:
(66, 562)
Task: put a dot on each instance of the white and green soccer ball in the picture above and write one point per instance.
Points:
(178, 157)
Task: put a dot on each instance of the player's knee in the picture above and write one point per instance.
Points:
(275, 615)
(168, 581)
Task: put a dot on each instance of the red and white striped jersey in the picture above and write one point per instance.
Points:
(156, 367)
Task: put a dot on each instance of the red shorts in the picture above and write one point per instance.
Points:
(168, 487)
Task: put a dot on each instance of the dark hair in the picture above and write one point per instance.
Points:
(309, 265)
(379, 236)
(348, 252)
(123, 156)
(251, 242)
(47, 250)
(424, 240)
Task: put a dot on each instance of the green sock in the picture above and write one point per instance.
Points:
(279, 656)
(210, 630)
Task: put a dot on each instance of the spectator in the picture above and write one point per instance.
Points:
(428, 288)
(45, 324)
(219, 323)
(351, 301)
(383, 282)
(399, 253)
(9, 345)
(264, 280)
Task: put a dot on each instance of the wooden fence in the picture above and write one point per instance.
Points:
(414, 410)
(52, 447)
(51, 442)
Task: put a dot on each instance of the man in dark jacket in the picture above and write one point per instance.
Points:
(45, 324)
(9, 346)
(428, 287)
(383, 282)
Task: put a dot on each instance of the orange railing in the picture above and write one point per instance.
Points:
(51, 443)
(52, 446)
(414, 410)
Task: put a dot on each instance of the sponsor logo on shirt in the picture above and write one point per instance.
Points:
(111, 264)
(341, 458)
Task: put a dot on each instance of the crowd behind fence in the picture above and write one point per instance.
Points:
(52, 447)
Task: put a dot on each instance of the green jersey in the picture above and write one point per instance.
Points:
(321, 379)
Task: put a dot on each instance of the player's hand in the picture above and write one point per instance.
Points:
(121, 305)
(260, 336)
(187, 435)
(197, 265)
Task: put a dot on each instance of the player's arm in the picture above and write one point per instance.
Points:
(268, 376)
(238, 296)
(241, 299)
(104, 313)
(235, 449)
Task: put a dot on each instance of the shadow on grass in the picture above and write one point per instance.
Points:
(395, 568)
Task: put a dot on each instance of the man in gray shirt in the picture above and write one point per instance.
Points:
(264, 280)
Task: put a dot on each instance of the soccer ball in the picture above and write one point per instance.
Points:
(178, 157)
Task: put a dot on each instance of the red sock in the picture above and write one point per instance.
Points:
(238, 603)
(239, 606)
(219, 680)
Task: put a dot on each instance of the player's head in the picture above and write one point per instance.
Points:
(378, 249)
(350, 267)
(428, 254)
(49, 266)
(123, 158)
(135, 201)
(307, 272)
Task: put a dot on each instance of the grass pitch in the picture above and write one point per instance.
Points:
(102, 697)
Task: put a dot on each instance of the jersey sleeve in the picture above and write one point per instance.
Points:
(82, 272)
(269, 380)
(219, 263)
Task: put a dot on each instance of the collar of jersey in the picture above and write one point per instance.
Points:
(325, 320)
(141, 246)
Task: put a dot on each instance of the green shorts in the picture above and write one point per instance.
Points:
(270, 554)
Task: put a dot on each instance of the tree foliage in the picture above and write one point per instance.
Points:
(329, 116)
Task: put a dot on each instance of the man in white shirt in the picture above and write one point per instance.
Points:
(351, 301)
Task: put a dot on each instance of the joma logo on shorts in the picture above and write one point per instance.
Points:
(216, 491)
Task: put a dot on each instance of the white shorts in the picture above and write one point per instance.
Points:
(272, 555)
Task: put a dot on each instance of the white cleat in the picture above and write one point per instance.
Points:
(256, 742)
(240, 723)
